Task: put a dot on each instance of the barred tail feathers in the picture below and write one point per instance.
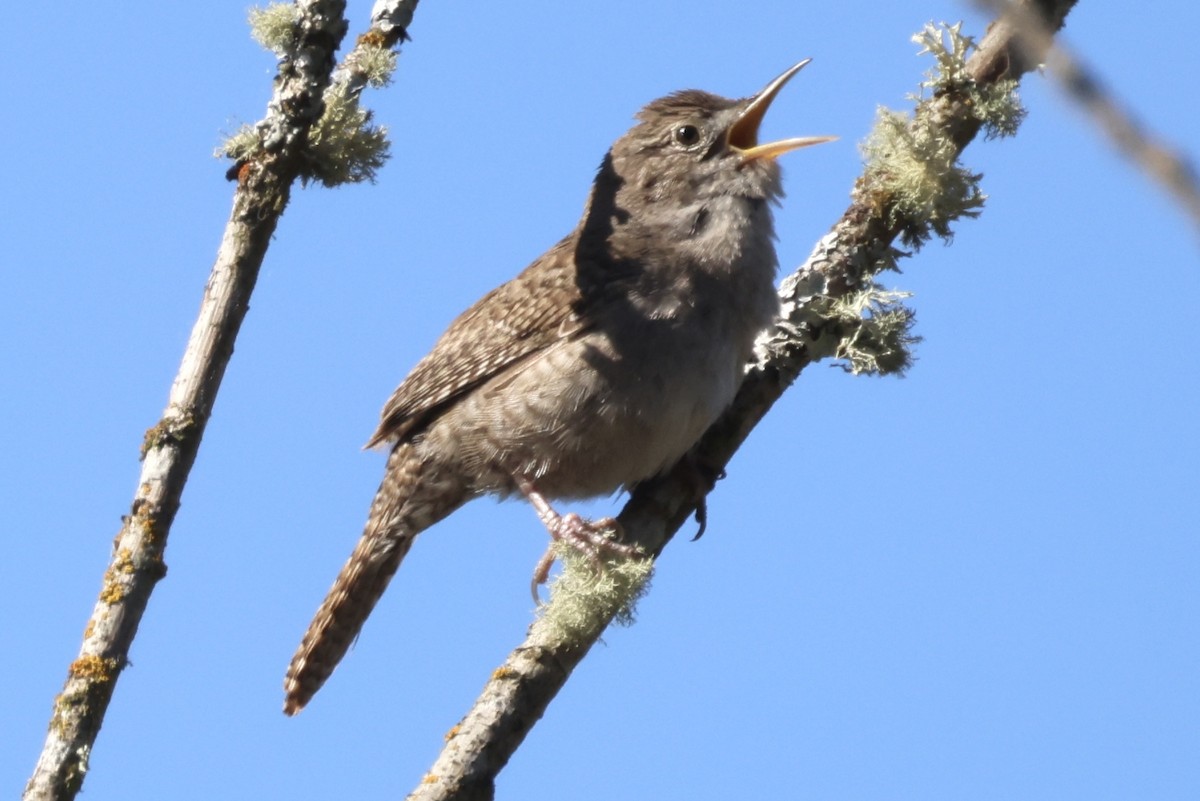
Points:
(403, 507)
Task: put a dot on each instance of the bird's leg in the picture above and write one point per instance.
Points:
(590, 537)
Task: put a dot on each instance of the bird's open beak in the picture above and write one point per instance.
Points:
(743, 134)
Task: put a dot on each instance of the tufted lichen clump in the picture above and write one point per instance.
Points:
(996, 105)
(912, 170)
(274, 26)
(584, 597)
(878, 339)
(344, 145)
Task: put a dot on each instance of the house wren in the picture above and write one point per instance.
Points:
(598, 366)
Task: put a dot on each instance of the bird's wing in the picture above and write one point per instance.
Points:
(508, 325)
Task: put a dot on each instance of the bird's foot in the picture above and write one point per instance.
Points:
(594, 539)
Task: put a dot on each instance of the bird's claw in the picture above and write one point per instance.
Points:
(592, 538)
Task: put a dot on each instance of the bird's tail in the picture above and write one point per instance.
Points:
(404, 506)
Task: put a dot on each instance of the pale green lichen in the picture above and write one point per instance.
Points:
(345, 146)
(912, 167)
(997, 105)
(878, 339)
(912, 175)
(242, 145)
(950, 49)
(584, 597)
(375, 62)
(999, 109)
(274, 26)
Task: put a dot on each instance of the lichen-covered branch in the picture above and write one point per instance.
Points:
(306, 34)
(832, 308)
(344, 144)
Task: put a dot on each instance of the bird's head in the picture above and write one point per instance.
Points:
(693, 145)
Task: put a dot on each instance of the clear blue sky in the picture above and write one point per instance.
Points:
(978, 582)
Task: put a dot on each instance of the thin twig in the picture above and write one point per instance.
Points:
(520, 690)
(1162, 163)
(170, 447)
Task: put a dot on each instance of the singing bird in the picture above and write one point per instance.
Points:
(597, 367)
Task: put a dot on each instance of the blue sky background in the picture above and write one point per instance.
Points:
(978, 582)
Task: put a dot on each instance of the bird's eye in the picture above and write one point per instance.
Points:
(687, 135)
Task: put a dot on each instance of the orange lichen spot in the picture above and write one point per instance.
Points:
(89, 629)
(93, 668)
(123, 562)
(112, 592)
(148, 528)
(122, 565)
(502, 672)
(430, 778)
(450, 735)
(373, 38)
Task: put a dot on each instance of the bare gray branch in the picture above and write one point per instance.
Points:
(1159, 160)
(170, 447)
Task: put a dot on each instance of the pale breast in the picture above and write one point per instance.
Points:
(598, 412)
